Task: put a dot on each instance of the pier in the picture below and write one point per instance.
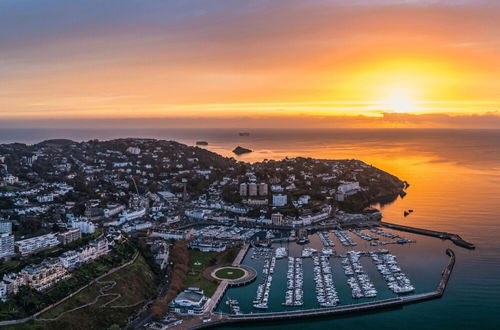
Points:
(456, 239)
(338, 310)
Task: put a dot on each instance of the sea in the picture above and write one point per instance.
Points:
(454, 178)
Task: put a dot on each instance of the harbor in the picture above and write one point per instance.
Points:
(305, 280)
(394, 302)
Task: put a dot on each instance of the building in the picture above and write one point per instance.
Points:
(263, 189)
(129, 215)
(279, 200)
(44, 275)
(168, 196)
(277, 219)
(207, 246)
(243, 189)
(13, 281)
(35, 244)
(94, 250)
(45, 198)
(6, 245)
(69, 236)
(256, 202)
(252, 189)
(346, 189)
(134, 150)
(5, 227)
(70, 259)
(191, 301)
(113, 209)
(86, 227)
(3, 291)
(10, 179)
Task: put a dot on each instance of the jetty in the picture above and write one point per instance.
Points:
(455, 238)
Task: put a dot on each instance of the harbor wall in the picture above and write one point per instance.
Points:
(456, 239)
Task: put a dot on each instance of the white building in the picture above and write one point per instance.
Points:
(70, 259)
(35, 244)
(86, 227)
(134, 150)
(279, 200)
(129, 215)
(191, 301)
(5, 227)
(45, 198)
(6, 245)
(3, 291)
(346, 189)
(10, 179)
(94, 250)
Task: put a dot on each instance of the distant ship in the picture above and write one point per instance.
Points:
(244, 134)
(201, 143)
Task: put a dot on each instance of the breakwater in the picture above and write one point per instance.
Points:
(339, 310)
(456, 239)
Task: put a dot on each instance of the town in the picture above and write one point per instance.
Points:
(65, 206)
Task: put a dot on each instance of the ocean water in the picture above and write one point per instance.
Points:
(454, 178)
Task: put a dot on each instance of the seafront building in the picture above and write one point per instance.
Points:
(191, 301)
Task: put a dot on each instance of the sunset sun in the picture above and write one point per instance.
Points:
(400, 101)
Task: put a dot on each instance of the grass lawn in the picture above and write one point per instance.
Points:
(135, 283)
(229, 273)
(199, 261)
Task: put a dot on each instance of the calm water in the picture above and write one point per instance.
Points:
(455, 186)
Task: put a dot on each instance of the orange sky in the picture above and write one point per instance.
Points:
(262, 60)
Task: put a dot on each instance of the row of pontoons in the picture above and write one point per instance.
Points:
(357, 279)
(326, 294)
(387, 265)
(325, 239)
(294, 295)
(262, 298)
(344, 237)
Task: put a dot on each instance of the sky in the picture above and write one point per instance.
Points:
(215, 63)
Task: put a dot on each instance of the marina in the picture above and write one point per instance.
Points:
(326, 294)
(294, 295)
